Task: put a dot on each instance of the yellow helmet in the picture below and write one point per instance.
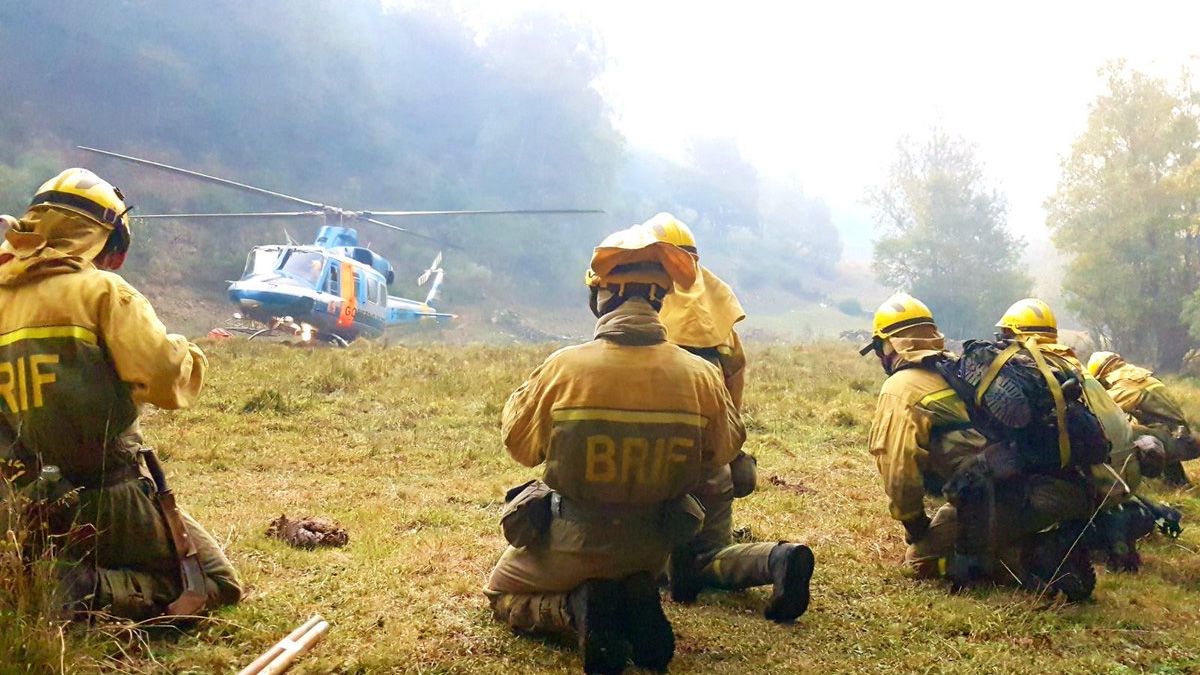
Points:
(1029, 316)
(85, 193)
(636, 256)
(895, 314)
(1099, 363)
(670, 229)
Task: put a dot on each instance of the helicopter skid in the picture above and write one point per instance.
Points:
(283, 328)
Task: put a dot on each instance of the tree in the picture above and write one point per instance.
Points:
(346, 102)
(1125, 215)
(944, 237)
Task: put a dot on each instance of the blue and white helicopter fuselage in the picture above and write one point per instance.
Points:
(332, 290)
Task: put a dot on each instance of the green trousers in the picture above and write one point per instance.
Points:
(1023, 507)
(532, 612)
(135, 556)
(725, 564)
(529, 587)
(124, 538)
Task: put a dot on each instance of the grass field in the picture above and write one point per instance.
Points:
(401, 445)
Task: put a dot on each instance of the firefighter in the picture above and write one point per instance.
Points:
(924, 443)
(1123, 516)
(701, 319)
(80, 351)
(1148, 401)
(626, 425)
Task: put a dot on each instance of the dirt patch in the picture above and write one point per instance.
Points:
(308, 533)
(796, 488)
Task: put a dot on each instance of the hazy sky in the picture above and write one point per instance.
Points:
(822, 91)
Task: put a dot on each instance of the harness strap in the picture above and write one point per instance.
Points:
(1060, 404)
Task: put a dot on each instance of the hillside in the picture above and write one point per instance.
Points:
(377, 106)
(400, 444)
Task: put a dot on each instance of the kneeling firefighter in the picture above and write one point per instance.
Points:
(1124, 517)
(1144, 397)
(924, 442)
(627, 426)
(80, 351)
(701, 319)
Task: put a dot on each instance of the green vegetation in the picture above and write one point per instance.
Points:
(351, 103)
(400, 444)
(30, 634)
(1126, 214)
(944, 236)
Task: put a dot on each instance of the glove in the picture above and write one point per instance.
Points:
(1151, 455)
(744, 474)
(915, 528)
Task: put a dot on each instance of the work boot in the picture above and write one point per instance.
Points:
(685, 578)
(596, 606)
(964, 570)
(1168, 519)
(1059, 561)
(791, 568)
(646, 626)
(1118, 530)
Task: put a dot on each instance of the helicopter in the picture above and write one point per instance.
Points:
(332, 290)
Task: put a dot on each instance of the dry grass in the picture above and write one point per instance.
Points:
(400, 444)
(30, 631)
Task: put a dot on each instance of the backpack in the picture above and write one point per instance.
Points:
(1013, 394)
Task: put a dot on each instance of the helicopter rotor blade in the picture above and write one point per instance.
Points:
(262, 214)
(324, 209)
(485, 212)
(202, 176)
(397, 228)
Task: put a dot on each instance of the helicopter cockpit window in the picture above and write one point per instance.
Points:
(304, 265)
(260, 261)
(334, 284)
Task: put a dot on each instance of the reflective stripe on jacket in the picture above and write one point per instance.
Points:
(79, 351)
(919, 436)
(627, 418)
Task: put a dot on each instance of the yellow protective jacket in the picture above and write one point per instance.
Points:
(627, 418)
(702, 315)
(921, 432)
(701, 319)
(1144, 396)
(80, 349)
(1147, 400)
